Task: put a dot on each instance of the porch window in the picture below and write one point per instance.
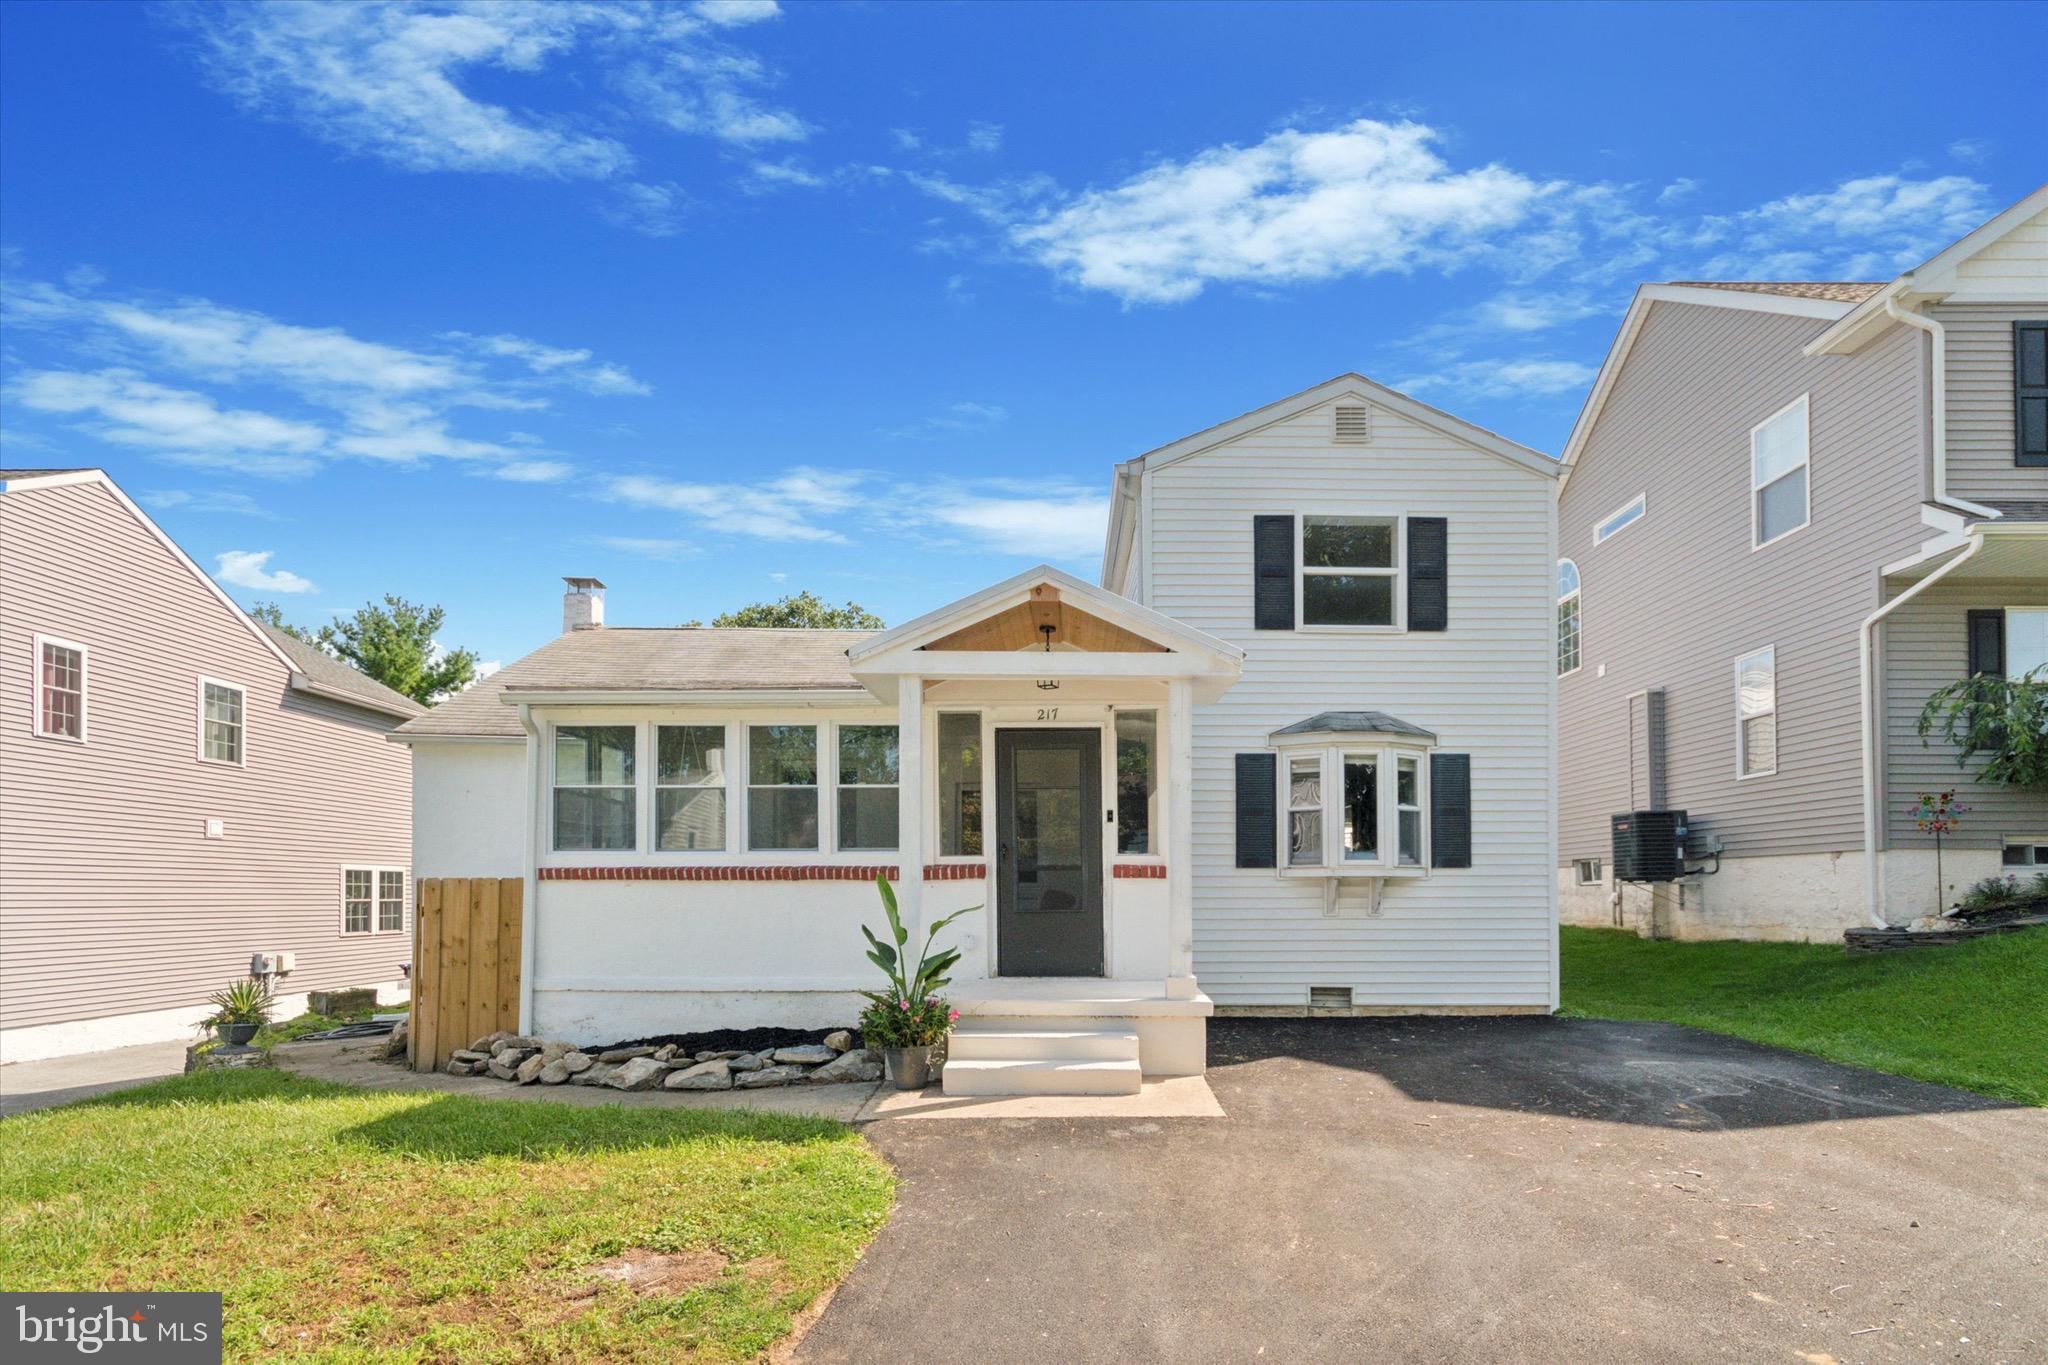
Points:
(689, 787)
(868, 808)
(1349, 568)
(595, 787)
(1305, 811)
(1137, 779)
(1361, 806)
(782, 787)
(959, 784)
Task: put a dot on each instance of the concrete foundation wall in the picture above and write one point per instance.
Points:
(71, 1037)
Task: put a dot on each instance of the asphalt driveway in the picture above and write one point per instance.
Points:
(1485, 1189)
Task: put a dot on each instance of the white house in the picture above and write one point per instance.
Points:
(1297, 755)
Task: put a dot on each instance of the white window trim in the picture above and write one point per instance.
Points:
(1639, 504)
(241, 759)
(1335, 864)
(655, 786)
(1398, 573)
(2026, 842)
(1741, 659)
(35, 710)
(376, 871)
(2005, 636)
(1756, 489)
(895, 788)
(1579, 877)
(1579, 626)
(642, 817)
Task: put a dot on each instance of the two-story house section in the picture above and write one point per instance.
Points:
(1790, 512)
(182, 789)
(1376, 560)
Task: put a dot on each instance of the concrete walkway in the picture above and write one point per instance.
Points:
(1470, 1189)
(59, 1080)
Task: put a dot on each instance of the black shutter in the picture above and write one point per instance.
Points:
(1450, 810)
(1273, 573)
(1987, 642)
(1258, 818)
(2030, 392)
(1429, 598)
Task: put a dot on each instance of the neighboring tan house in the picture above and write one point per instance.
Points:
(1790, 513)
(183, 788)
(1294, 758)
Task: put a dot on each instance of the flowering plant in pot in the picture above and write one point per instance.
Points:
(910, 1018)
(239, 1010)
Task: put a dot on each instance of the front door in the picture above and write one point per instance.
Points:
(1049, 852)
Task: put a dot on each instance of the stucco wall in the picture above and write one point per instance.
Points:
(469, 816)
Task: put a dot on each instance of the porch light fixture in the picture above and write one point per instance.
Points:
(1047, 630)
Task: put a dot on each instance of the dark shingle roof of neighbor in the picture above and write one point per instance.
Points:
(332, 675)
(646, 659)
(1353, 723)
(2017, 511)
(6, 474)
(1834, 291)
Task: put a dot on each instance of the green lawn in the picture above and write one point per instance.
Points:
(1974, 1015)
(347, 1225)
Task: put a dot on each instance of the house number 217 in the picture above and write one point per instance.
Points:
(1048, 713)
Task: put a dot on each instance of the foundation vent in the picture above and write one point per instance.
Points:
(1351, 425)
(1329, 997)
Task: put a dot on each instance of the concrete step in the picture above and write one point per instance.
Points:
(1075, 1045)
(1033, 1076)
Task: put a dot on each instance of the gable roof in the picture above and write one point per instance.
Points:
(316, 672)
(1348, 385)
(634, 659)
(22, 480)
(1931, 279)
(1834, 291)
(1806, 299)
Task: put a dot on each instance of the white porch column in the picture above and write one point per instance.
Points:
(1180, 843)
(910, 804)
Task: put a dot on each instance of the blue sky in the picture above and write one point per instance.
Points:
(717, 301)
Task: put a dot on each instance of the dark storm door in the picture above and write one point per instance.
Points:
(1049, 826)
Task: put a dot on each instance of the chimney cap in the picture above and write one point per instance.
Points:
(583, 582)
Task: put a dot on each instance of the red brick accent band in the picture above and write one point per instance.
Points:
(765, 872)
(1141, 871)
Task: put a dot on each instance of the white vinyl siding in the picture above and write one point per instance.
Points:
(1482, 936)
(1756, 714)
(1982, 440)
(1780, 484)
(1623, 517)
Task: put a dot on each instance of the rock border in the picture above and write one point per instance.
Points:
(520, 1059)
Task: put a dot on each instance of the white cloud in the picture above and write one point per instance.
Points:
(404, 82)
(1364, 198)
(1972, 150)
(559, 363)
(787, 507)
(984, 137)
(1503, 379)
(533, 471)
(1059, 522)
(1679, 190)
(245, 569)
(1870, 227)
(122, 407)
(652, 547)
(206, 500)
(953, 420)
(650, 210)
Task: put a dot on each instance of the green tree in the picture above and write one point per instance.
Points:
(394, 644)
(271, 614)
(802, 611)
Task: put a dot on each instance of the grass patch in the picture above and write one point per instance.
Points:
(1970, 1016)
(345, 1225)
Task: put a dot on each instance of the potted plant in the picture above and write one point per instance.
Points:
(910, 1018)
(239, 1011)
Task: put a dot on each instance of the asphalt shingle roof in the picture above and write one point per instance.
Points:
(335, 676)
(1834, 291)
(642, 659)
(1353, 723)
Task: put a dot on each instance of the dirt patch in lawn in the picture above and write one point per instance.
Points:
(646, 1271)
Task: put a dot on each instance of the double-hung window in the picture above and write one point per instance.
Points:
(689, 787)
(596, 793)
(1567, 617)
(2026, 641)
(1350, 570)
(390, 900)
(372, 900)
(221, 722)
(60, 689)
(1379, 821)
(1305, 811)
(782, 787)
(1756, 714)
(868, 806)
(1780, 498)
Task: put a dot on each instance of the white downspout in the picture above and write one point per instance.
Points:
(530, 872)
(1873, 885)
(1939, 384)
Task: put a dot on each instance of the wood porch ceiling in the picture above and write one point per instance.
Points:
(1019, 627)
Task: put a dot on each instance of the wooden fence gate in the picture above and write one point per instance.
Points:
(465, 974)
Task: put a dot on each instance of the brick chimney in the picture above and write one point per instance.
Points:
(582, 605)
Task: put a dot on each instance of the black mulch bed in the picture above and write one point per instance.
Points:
(726, 1040)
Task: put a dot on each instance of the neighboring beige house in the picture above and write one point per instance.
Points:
(1292, 756)
(180, 788)
(1791, 512)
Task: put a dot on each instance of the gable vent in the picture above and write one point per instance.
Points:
(1329, 997)
(1352, 428)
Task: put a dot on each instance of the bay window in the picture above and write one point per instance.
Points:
(1304, 807)
(1378, 823)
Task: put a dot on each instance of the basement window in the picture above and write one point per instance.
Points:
(2031, 851)
(1588, 871)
